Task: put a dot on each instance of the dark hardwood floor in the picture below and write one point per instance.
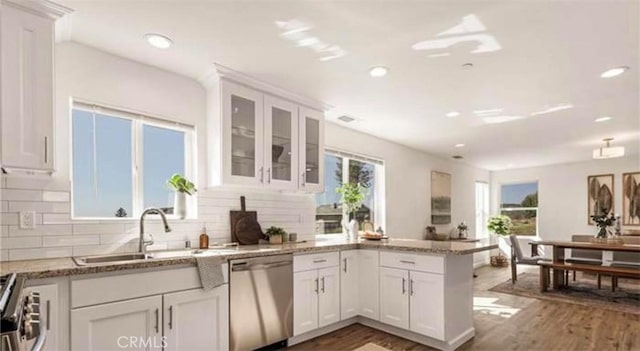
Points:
(508, 322)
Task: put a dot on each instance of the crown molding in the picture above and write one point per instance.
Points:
(44, 8)
(222, 72)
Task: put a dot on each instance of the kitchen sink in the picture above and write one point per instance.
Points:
(117, 258)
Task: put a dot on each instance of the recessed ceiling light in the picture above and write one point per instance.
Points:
(614, 72)
(158, 40)
(459, 145)
(453, 114)
(378, 71)
(602, 119)
(457, 157)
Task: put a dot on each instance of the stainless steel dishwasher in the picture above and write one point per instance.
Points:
(261, 301)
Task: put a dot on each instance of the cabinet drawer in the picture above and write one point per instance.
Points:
(414, 262)
(315, 261)
(98, 290)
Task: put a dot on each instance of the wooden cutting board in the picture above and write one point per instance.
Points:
(245, 228)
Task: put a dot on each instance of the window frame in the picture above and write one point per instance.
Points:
(138, 121)
(509, 209)
(379, 209)
(483, 209)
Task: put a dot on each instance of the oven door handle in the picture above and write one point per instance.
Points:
(40, 341)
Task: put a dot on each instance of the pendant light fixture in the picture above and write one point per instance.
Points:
(608, 151)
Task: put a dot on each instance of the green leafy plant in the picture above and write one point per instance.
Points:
(352, 196)
(275, 231)
(499, 225)
(179, 183)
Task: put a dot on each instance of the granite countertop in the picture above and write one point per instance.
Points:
(58, 267)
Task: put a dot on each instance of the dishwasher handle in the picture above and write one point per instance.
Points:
(247, 266)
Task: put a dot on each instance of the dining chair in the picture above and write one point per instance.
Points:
(518, 258)
(625, 259)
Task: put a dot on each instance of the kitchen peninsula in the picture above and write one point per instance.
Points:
(404, 287)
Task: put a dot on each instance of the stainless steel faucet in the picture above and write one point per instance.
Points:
(142, 247)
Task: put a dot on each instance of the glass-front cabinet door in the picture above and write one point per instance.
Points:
(281, 137)
(244, 132)
(311, 161)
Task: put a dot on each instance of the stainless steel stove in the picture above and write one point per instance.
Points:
(19, 316)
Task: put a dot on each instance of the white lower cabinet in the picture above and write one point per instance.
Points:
(412, 300)
(188, 327)
(191, 320)
(49, 314)
(349, 284)
(426, 291)
(368, 279)
(329, 296)
(133, 325)
(305, 301)
(394, 300)
(316, 291)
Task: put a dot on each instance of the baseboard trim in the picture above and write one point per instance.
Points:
(421, 339)
(321, 331)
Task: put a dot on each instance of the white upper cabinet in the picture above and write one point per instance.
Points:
(311, 150)
(262, 136)
(281, 135)
(243, 135)
(26, 84)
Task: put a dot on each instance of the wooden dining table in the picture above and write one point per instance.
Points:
(559, 248)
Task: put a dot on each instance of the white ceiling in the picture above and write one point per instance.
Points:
(550, 53)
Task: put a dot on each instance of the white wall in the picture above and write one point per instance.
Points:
(95, 76)
(562, 193)
(408, 184)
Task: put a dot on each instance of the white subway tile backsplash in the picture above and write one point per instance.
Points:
(8, 219)
(96, 250)
(4, 255)
(55, 196)
(41, 230)
(46, 207)
(44, 183)
(69, 240)
(99, 228)
(58, 235)
(32, 254)
(56, 218)
(20, 195)
(20, 243)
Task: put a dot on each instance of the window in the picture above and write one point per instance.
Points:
(520, 203)
(342, 167)
(482, 209)
(121, 161)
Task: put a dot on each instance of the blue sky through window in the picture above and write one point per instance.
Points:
(515, 193)
(103, 170)
(163, 156)
(101, 191)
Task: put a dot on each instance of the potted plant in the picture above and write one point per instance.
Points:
(501, 226)
(182, 188)
(275, 234)
(603, 221)
(352, 197)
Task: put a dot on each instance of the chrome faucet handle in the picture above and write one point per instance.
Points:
(150, 241)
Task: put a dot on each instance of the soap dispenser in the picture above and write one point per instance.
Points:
(204, 239)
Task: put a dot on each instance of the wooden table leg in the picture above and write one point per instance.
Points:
(544, 273)
(558, 274)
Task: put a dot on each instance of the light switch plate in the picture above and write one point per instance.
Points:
(27, 220)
